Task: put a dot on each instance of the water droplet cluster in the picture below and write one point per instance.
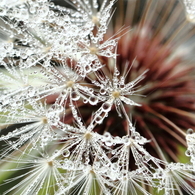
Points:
(190, 10)
(52, 74)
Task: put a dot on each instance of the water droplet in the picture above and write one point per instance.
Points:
(87, 68)
(93, 100)
(75, 96)
(102, 91)
(59, 108)
(147, 158)
(109, 142)
(107, 135)
(98, 119)
(66, 153)
(85, 101)
(32, 9)
(106, 107)
(190, 131)
(188, 153)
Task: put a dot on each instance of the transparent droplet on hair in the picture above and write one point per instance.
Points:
(8, 46)
(32, 9)
(59, 108)
(190, 131)
(66, 153)
(106, 106)
(107, 136)
(113, 152)
(93, 100)
(188, 153)
(85, 101)
(75, 96)
(87, 69)
(98, 119)
(43, 11)
(109, 142)
(2, 12)
(117, 72)
(102, 91)
(147, 158)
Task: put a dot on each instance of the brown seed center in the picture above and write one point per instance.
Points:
(70, 83)
(88, 136)
(44, 120)
(50, 163)
(92, 171)
(95, 20)
(116, 94)
(93, 50)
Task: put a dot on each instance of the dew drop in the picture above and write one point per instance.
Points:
(147, 158)
(66, 153)
(102, 91)
(32, 9)
(106, 107)
(107, 135)
(85, 101)
(190, 131)
(87, 69)
(98, 119)
(93, 100)
(188, 153)
(109, 142)
(59, 108)
(75, 96)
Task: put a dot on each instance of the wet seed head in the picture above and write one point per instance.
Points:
(44, 120)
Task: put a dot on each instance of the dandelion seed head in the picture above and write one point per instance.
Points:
(96, 100)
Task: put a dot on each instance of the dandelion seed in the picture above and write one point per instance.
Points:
(85, 146)
(41, 174)
(174, 177)
(130, 183)
(112, 93)
(36, 127)
(88, 180)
